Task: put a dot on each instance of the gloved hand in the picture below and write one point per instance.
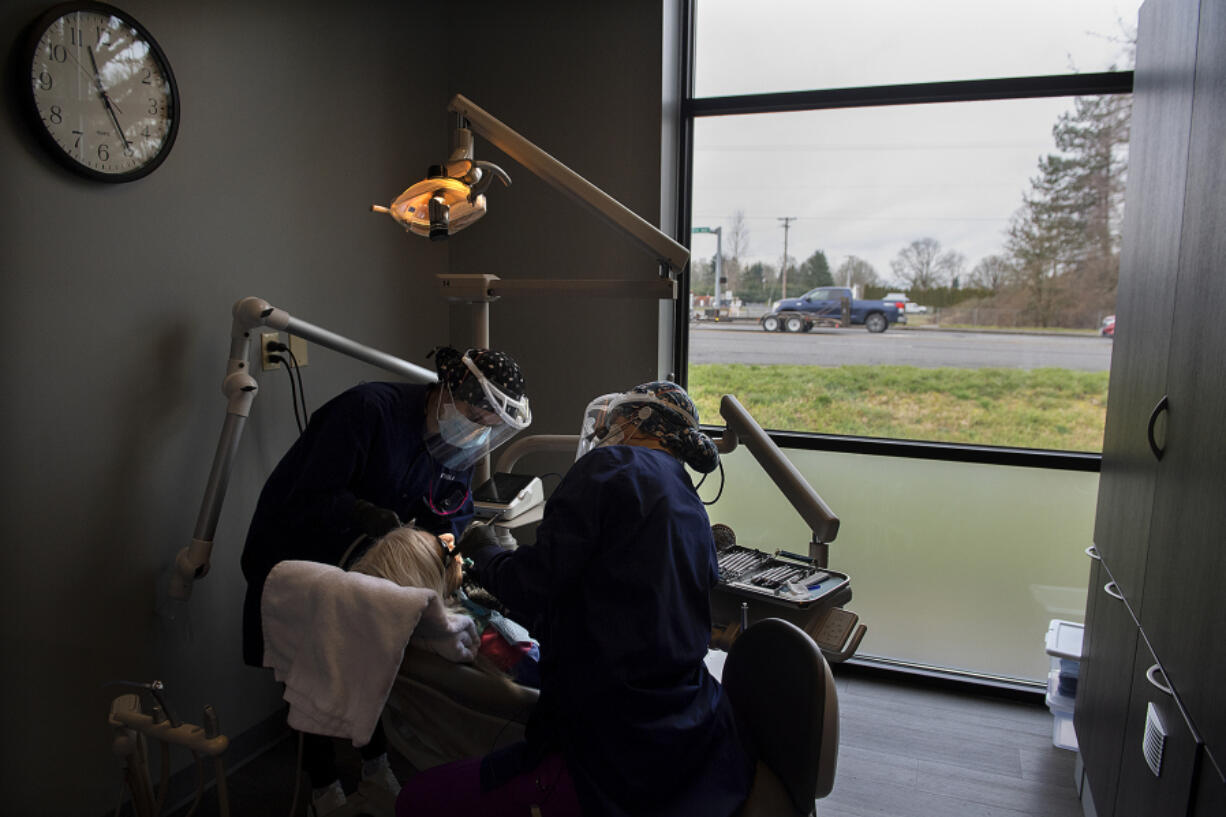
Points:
(475, 538)
(374, 521)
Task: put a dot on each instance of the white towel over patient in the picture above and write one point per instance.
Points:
(336, 640)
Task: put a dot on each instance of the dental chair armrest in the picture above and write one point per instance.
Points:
(494, 695)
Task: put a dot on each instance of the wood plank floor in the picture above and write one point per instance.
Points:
(905, 750)
(912, 751)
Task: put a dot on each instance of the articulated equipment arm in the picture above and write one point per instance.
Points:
(240, 389)
(742, 427)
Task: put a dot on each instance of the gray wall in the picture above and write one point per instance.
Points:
(585, 87)
(115, 313)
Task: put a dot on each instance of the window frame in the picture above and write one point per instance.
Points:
(693, 108)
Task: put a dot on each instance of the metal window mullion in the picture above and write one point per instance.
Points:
(1109, 82)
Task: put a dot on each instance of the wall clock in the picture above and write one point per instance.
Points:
(99, 92)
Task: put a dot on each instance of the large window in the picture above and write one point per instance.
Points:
(977, 233)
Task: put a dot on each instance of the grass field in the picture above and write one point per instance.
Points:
(1055, 409)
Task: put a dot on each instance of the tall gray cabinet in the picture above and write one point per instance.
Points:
(1151, 700)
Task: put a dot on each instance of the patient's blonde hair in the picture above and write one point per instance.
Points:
(412, 557)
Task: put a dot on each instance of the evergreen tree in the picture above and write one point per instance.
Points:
(759, 284)
(1095, 136)
(702, 277)
(1064, 240)
(814, 272)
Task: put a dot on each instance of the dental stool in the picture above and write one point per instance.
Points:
(787, 709)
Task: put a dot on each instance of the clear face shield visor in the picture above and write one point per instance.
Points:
(596, 430)
(462, 440)
(595, 423)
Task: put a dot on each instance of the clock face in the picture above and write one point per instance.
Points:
(102, 95)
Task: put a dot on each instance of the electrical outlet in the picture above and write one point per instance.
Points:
(299, 347)
(265, 339)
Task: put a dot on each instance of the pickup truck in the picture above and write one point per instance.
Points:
(825, 304)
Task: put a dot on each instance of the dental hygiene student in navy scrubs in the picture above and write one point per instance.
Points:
(629, 722)
(374, 457)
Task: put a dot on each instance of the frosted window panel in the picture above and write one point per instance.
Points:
(953, 565)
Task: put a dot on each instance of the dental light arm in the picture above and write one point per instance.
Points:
(742, 427)
(426, 208)
(240, 390)
(540, 163)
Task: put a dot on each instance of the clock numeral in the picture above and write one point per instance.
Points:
(44, 81)
(100, 35)
(77, 144)
(57, 53)
(154, 107)
(148, 78)
(104, 152)
(76, 36)
(57, 115)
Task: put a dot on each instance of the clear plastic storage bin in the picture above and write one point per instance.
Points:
(1064, 647)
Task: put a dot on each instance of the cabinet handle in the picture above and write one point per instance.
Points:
(1113, 590)
(1152, 675)
(1162, 406)
(1092, 552)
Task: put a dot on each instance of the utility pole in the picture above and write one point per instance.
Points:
(783, 268)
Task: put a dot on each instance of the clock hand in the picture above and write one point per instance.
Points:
(91, 77)
(106, 100)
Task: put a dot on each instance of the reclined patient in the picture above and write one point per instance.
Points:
(437, 711)
(412, 557)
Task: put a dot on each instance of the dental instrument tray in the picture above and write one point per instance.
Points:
(784, 578)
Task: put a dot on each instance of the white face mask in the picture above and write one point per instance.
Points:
(459, 431)
(460, 442)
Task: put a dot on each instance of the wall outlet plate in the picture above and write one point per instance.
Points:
(265, 339)
(298, 346)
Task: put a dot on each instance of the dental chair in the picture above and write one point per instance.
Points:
(439, 711)
(786, 706)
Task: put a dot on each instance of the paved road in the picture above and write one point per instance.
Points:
(927, 348)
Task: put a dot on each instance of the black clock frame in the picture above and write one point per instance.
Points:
(33, 37)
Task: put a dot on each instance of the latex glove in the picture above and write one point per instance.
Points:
(374, 521)
(476, 538)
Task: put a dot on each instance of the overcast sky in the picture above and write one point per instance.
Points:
(868, 181)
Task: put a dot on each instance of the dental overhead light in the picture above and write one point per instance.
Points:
(453, 195)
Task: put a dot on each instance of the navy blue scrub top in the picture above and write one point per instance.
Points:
(366, 443)
(616, 590)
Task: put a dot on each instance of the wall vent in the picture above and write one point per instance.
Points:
(1155, 740)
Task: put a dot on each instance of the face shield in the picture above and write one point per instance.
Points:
(466, 432)
(661, 410)
(595, 423)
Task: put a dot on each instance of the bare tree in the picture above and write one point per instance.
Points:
(922, 265)
(992, 272)
(736, 246)
(856, 272)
